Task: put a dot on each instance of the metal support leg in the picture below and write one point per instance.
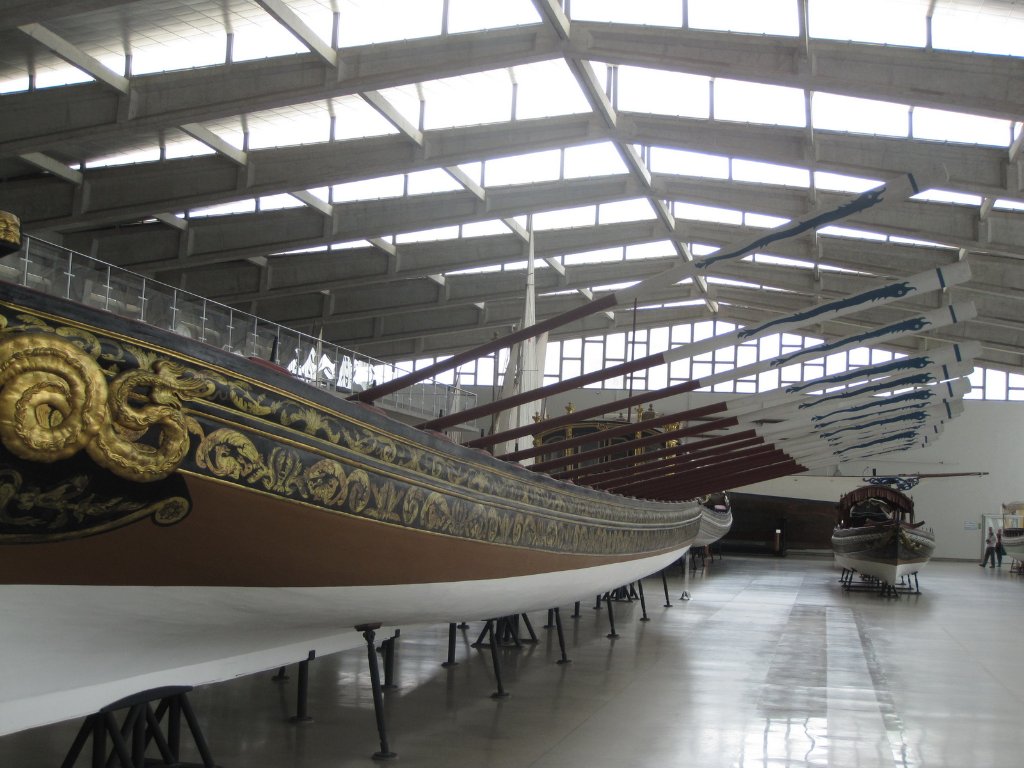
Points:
(551, 619)
(126, 745)
(302, 694)
(378, 698)
(281, 675)
(529, 628)
(611, 616)
(389, 661)
(501, 693)
(576, 610)
(451, 647)
(561, 638)
(643, 603)
(664, 583)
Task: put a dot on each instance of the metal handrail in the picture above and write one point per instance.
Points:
(58, 271)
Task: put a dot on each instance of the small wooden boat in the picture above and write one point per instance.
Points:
(878, 537)
(715, 519)
(1013, 543)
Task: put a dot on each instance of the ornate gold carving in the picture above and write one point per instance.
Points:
(10, 232)
(121, 450)
(70, 508)
(53, 398)
(55, 401)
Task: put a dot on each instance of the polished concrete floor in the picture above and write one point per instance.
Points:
(770, 664)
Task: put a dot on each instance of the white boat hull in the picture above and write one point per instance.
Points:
(129, 639)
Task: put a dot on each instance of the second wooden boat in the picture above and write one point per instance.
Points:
(878, 537)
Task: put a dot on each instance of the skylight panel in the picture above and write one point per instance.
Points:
(770, 173)
(707, 213)
(601, 256)
(745, 102)
(947, 196)
(766, 17)
(379, 21)
(614, 286)
(277, 202)
(869, 21)
(197, 48)
(941, 125)
(732, 283)
(546, 89)
(781, 261)
(859, 234)
(14, 84)
(141, 155)
(763, 220)
(484, 228)
(369, 189)
(602, 159)
(625, 210)
(684, 163)
(289, 126)
(262, 39)
(656, 250)
(475, 270)
(349, 245)
(428, 235)
(224, 209)
(355, 119)
(1009, 205)
(663, 13)
(52, 77)
(658, 91)
(964, 28)
(915, 242)
(472, 15)
(523, 169)
(563, 218)
(830, 111)
(405, 99)
(838, 182)
(432, 180)
(481, 97)
(702, 249)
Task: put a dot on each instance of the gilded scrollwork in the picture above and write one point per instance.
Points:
(55, 400)
(143, 416)
(70, 501)
(161, 391)
(52, 397)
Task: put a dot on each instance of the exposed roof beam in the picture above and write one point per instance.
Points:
(291, 21)
(393, 116)
(57, 168)
(76, 56)
(215, 142)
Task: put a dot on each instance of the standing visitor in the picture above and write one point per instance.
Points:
(990, 549)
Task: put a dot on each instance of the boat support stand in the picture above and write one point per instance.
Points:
(489, 630)
(385, 752)
(141, 725)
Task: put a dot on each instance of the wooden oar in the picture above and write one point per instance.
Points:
(931, 320)
(937, 365)
(680, 458)
(916, 285)
(895, 190)
(804, 451)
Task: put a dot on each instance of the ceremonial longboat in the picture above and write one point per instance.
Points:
(165, 476)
